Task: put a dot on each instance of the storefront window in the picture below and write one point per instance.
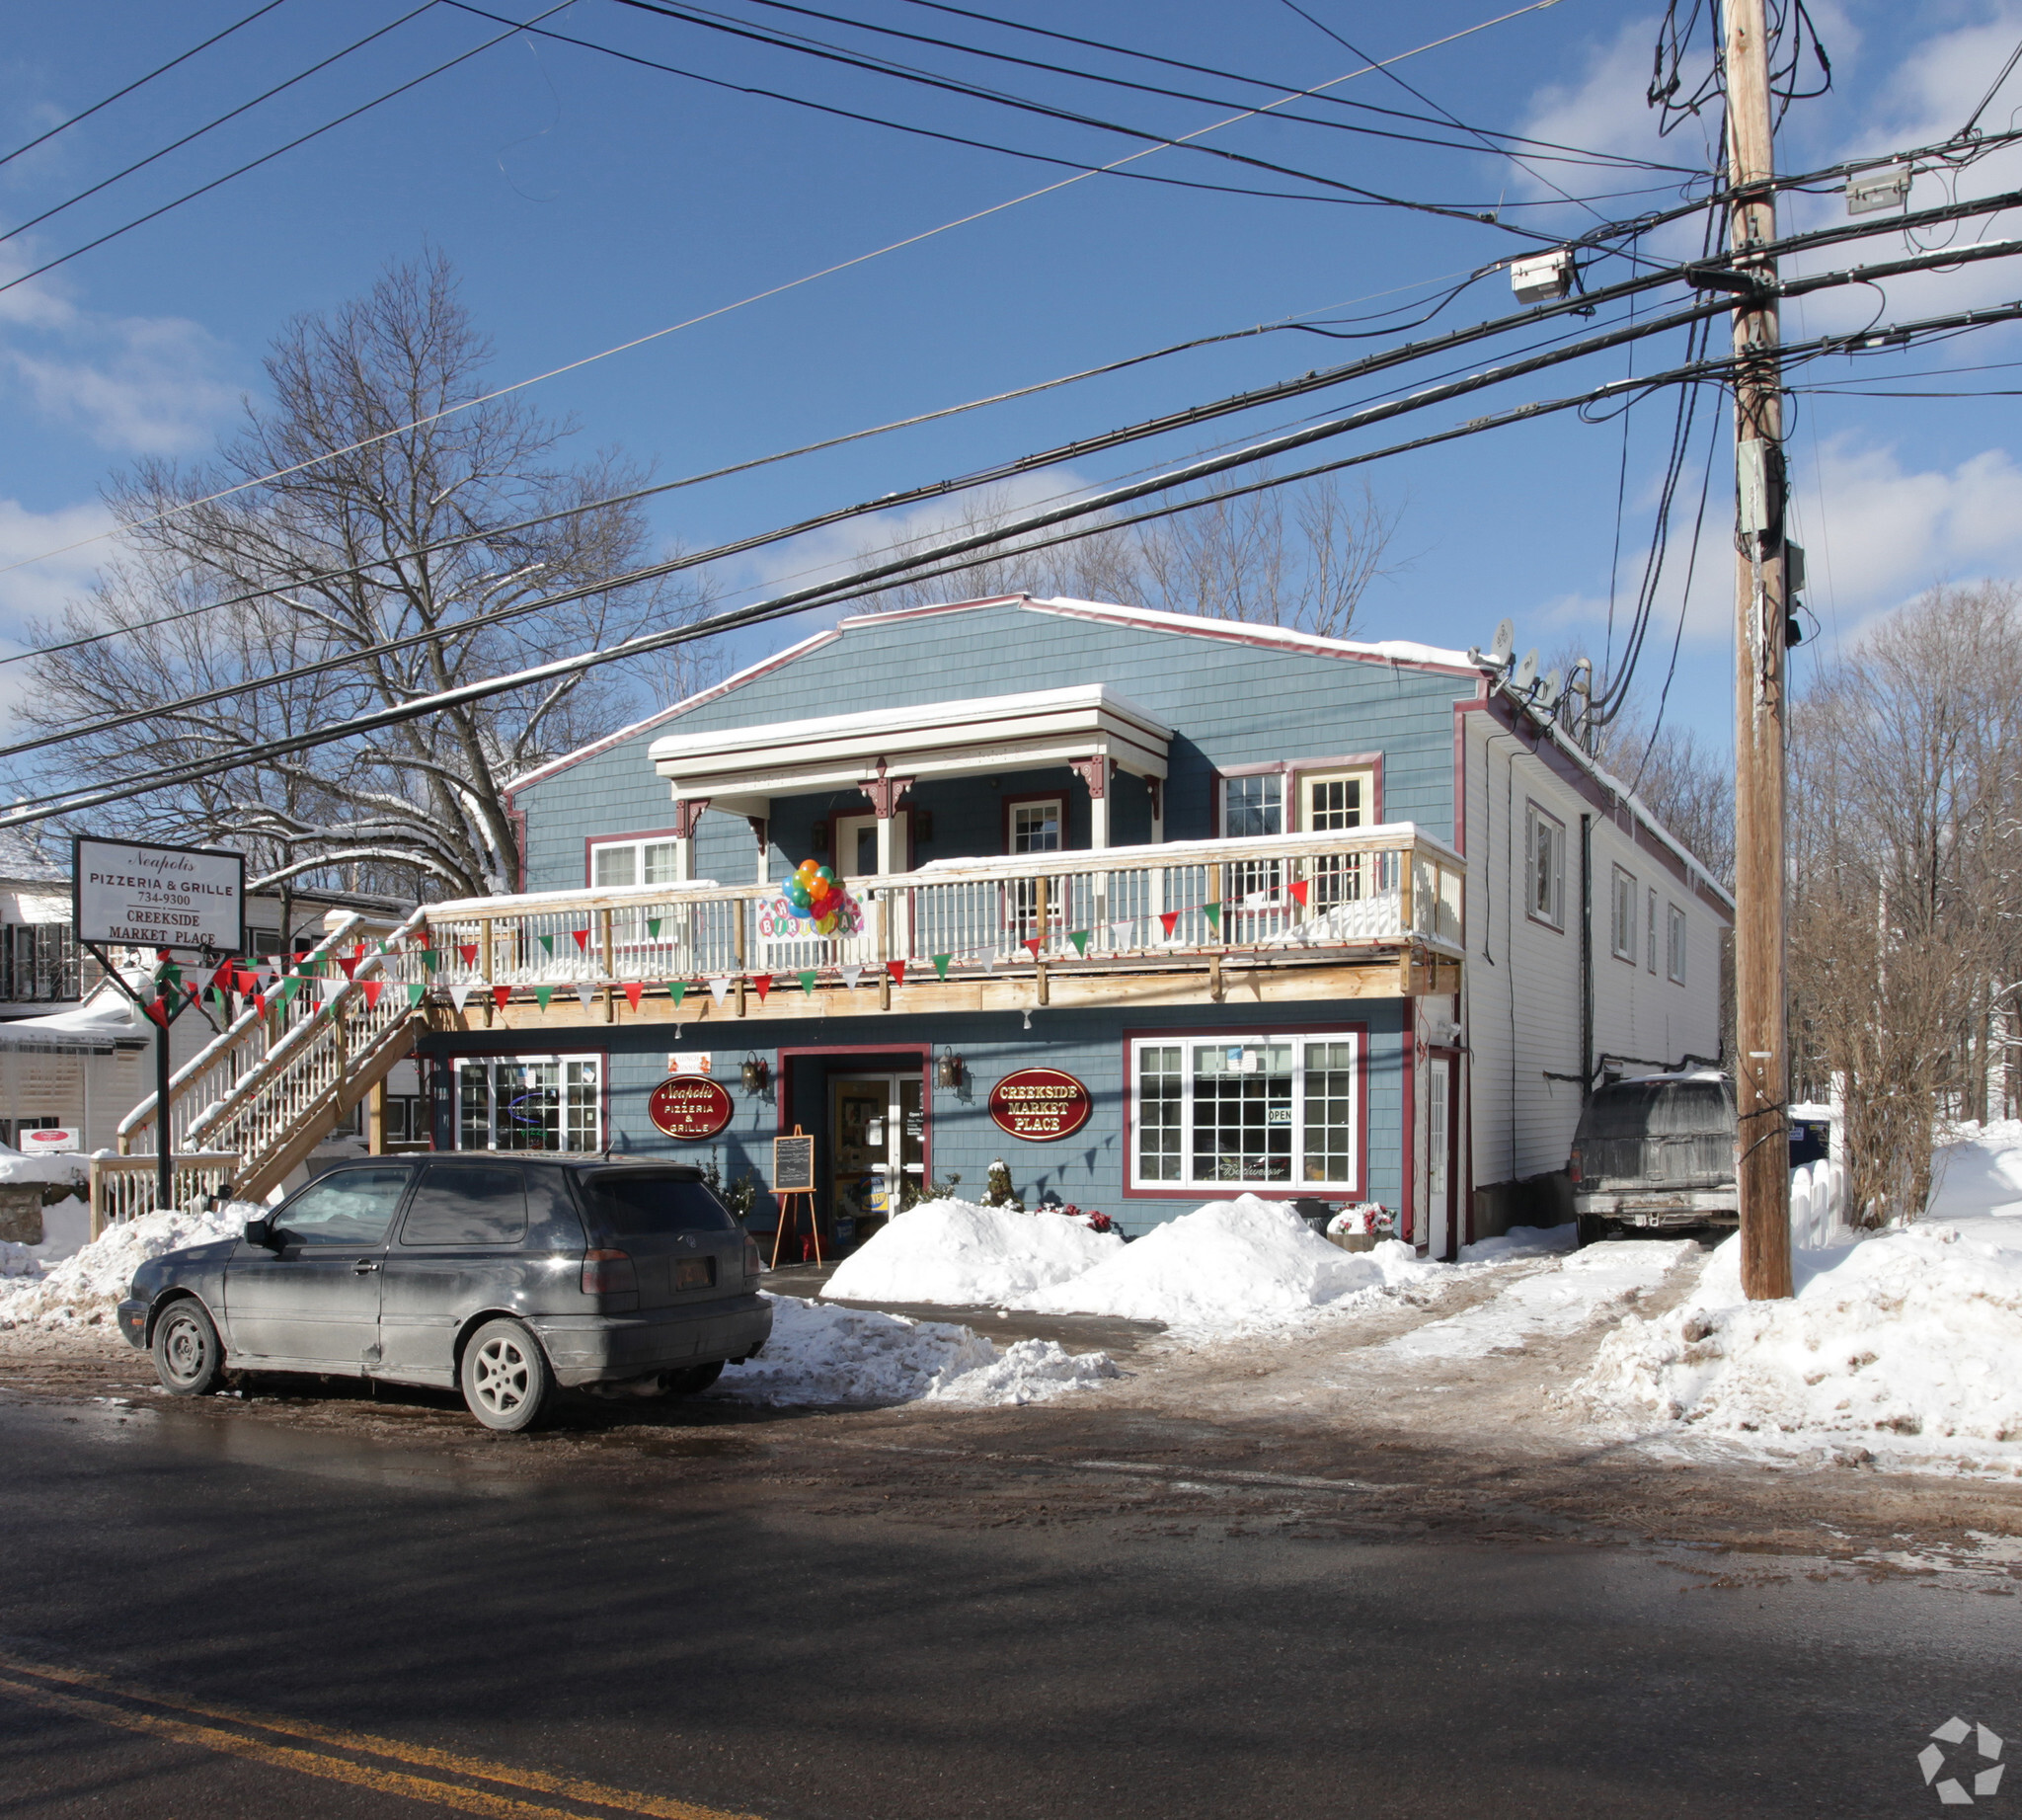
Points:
(528, 1103)
(1235, 1111)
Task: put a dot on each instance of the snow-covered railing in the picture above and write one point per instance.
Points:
(1352, 887)
(126, 1187)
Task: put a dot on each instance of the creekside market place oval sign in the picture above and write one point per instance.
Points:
(689, 1107)
(1040, 1104)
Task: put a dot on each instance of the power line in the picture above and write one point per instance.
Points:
(105, 182)
(160, 70)
(252, 164)
(759, 296)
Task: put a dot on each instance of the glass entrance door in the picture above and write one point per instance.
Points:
(878, 1141)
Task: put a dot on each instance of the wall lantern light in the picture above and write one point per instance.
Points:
(948, 1070)
(757, 1075)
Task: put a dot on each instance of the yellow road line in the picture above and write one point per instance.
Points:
(314, 1763)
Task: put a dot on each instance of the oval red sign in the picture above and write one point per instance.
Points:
(1040, 1104)
(689, 1107)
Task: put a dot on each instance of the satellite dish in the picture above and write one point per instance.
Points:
(1525, 673)
(1506, 642)
(1548, 691)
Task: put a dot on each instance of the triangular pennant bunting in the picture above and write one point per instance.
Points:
(1300, 888)
(633, 989)
(462, 994)
(260, 1003)
(719, 988)
(500, 994)
(585, 994)
(1213, 912)
(432, 957)
(807, 977)
(416, 993)
(677, 990)
(897, 968)
(581, 940)
(850, 977)
(350, 965)
(548, 945)
(1170, 920)
(941, 965)
(373, 988)
(652, 928)
(1079, 937)
(1035, 943)
(469, 952)
(543, 996)
(761, 983)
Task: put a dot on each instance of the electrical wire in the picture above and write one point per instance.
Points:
(211, 125)
(252, 164)
(160, 70)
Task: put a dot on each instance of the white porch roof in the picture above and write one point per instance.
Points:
(742, 768)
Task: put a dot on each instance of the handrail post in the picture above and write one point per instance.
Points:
(1039, 910)
(485, 962)
(738, 945)
(1405, 869)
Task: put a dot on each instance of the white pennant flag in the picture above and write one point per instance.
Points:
(989, 960)
(850, 977)
(583, 994)
(461, 993)
(330, 989)
(720, 988)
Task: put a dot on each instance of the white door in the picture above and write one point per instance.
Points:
(1438, 1152)
(853, 846)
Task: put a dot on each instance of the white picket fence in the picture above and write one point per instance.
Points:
(1818, 1206)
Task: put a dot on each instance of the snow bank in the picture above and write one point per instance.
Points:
(1522, 1241)
(64, 1166)
(66, 1229)
(1979, 1174)
(819, 1354)
(1228, 1266)
(1901, 1348)
(1552, 1302)
(84, 1290)
(953, 1252)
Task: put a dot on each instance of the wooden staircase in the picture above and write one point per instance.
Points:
(248, 1109)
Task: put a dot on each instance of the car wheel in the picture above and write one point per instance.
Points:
(506, 1377)
(694, 1381)
(188, 1356)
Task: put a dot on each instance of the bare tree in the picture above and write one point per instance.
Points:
(418, 808)
(1302, 556)
(1687, 788)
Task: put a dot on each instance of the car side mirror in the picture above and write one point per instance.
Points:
(261, 1231)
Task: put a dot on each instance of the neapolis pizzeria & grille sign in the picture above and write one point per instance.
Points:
(1040, 1104)
(689, 1107)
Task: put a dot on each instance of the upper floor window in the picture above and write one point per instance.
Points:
(1622, 920)
(1544, 866)
(1650, 932)
(1036, 826)
(38, 960)
(633, 862)
(1253, 805)
(1674, 948)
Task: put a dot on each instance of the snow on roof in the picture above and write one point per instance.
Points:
(102, 1019)
(1204, 625)
(21, 857)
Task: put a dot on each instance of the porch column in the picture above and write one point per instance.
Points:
(687, 813)
(1156, 785)
(761, 831)
(886, 794)
(1095, 773)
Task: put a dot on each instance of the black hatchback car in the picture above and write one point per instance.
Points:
(501, 1276)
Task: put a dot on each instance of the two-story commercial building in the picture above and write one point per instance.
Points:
(1151, 909)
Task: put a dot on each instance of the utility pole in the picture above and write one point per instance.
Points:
(1761, 1066)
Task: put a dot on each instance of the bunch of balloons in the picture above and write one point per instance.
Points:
(815, 896)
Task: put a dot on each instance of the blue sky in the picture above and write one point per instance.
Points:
(586, 201)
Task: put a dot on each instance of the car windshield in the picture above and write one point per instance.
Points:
(639, 1205)
(350, 1206)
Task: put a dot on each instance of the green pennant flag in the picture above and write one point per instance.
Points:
(652, 928)
(548, 946)
(542, 993)
(432, 957)
(1079, 937)
(806, 979)
(415, 992)
(286, 990)
(169, 974)
(941, 965)
(1213, 912)
(677, 990)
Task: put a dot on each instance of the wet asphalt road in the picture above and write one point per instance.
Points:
(210, 1621)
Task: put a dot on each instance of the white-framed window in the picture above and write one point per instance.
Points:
(1328, 801)
(1229, 1111)
(1650, 933)
(529, 1103)
(1622, 917)
(633, 862)
(1035, 825)
(1252, 805)
(1544, 866)
(1675, 946)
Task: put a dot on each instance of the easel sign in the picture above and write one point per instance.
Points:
(793, 1182)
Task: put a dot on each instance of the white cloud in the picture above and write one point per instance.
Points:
(141, 386)
(39, 589)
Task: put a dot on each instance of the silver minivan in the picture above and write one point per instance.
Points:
(502, 1275)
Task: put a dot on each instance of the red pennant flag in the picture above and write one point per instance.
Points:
(158, 1009)
(1171, 920)
(897, 968)
(1299, 888)
(260, 1003)
(582, 939)
(761, 983)
(1035, 943)
(469, 952)
(373, 988)
(360, 951)
(633, 989)
(499, 994)
(195, 991)
(349, 964)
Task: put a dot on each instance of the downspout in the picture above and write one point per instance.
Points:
(1586, 957)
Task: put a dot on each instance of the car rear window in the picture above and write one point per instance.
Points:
(1657, 1109)
(467, 1204)
(639, 1206)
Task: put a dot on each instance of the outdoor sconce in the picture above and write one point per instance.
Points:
(948, 1070)
(757, 1075)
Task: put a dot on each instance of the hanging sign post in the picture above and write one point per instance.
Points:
(142, 893)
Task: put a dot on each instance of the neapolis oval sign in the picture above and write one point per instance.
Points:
(1040, 1104)
(689, 1107)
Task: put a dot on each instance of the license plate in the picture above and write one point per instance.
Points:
(695, 1273)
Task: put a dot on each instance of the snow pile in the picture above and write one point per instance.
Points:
(1522, 1241)
(1228, 1266)
(953, 1252)
(818, 1354)
(86, 1287)
(1904, 1344)
(1978, 1175)
(1548, 1302)
(63, 1166)
(67, 1228)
